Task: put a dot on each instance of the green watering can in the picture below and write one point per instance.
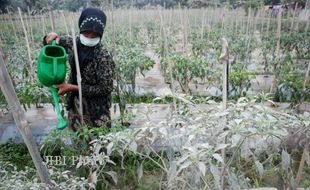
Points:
(52, 70)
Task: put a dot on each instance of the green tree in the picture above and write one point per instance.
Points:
(253, 4)
(74, 5)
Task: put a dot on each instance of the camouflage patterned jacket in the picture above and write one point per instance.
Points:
(97, 84)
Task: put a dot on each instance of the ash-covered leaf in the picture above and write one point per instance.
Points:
(259, 168)
(109, 148)
(113, 174)
(202, 168)
(218, 157)
(221, 146)
(140, 171)
(216, 174)
(285, 160)
(172, 172)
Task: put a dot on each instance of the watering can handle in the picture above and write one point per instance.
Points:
(54, 61)
(55, 67)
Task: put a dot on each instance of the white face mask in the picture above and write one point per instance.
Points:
(89, 41)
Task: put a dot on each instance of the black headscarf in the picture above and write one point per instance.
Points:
(94, 20)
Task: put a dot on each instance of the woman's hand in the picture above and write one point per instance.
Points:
(65, 88)
(52, 36)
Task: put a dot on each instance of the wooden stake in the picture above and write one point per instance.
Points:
(297, 26)
(20, 120)
(130, 20)
(186, 26)
(169, 62)
(30, 24)
(222, 21)
(293, 19)
(1, 42)
(66, 26)
(302, 163)
(307, 25)
(27, 27)
(182, 25)
(273, 85)
(1, 37)
(78, 72)
(208, 22)
(224, 59)
(43, 25)
(278, 34)
(27, 42)
(263, 16)
(12, 23)
(236, 23)
(268, 24)
(248, 23)
(306, 78)
(202, 22)
(255, 20)
(52, 19)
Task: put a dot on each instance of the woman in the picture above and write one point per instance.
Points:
(97, 68)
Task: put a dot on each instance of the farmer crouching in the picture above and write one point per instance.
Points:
(97, 68)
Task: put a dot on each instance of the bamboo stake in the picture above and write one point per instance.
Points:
(7, 89)
(224, 59)
(27, 41)
(302, 163)
(25, 18)
(1, 37)
(186, 26)
(43, 25)
(130, 20)
(293, 19)
(182, 26)
(249, 33)
(307, 25)
(297, 24)
(27, 27)
(51, 15)
(169, 62)
(202, 22)
(222, 20)
(1, 42)
(273, 85)
(30, 24)
(236, 23)
(278, 34)
(255, 20)
(78, 72)
(12, 23)
(241, 24)
(262, 22)
(306, 79)
(268, 24)
(208, 23)
(66, 26)
(248, 23)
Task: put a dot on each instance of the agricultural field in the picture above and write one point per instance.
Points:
(172, 127)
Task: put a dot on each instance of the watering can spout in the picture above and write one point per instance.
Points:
(62, 123)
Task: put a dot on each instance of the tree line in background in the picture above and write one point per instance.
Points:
(36, 6)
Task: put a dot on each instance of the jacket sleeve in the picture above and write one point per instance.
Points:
(104, 73)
